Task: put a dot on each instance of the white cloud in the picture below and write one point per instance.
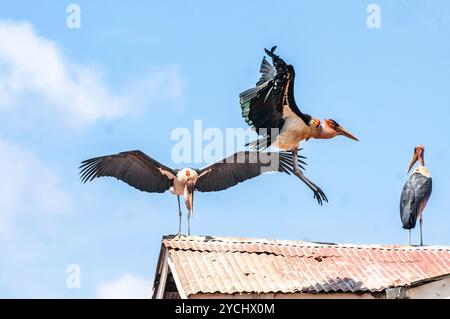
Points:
(34, 71)
(128, 286)
(30, 191)
(37, 78)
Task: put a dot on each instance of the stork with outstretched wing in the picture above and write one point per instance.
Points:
(270, 109)
(146, 174)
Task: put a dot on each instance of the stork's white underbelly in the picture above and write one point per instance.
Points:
(182, 178)
(177, 187)
(293, 132)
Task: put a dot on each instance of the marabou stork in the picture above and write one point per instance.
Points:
(146, 174)
(270, 109)
(415, 193)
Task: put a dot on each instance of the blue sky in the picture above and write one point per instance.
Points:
(134, 72)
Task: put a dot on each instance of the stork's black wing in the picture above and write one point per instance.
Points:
(240, 167)
(415, 195)
(262, 106)
(134, 168)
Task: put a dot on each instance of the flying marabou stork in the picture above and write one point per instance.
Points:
(146, 174)
(270, 109)
(415, 193)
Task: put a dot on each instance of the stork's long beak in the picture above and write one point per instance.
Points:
(344, 132)
(413, 161)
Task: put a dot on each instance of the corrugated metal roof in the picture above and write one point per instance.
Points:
(242, 265)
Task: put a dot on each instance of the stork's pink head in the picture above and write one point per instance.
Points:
(332, 128)
(315, 122)
(419, 150)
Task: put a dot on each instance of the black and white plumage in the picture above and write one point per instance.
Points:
(415, 194)
(146, 174)
(270, 109)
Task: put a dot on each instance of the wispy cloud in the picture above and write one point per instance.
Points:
(31, 191)
(37, 80)
(127, 286)
(36, 76)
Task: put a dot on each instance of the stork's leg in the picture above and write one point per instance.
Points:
(409, 237)
(189, 222)
(318, 193)
(179, 216)
(190, 207)
(295, 160)
(421, 238)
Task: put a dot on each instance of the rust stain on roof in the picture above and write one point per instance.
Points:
(244, 265)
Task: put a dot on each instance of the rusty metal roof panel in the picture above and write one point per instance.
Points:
(243, 265)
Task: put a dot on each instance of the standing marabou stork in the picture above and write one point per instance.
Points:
(270, 109)
(146, 174)
(415, 193)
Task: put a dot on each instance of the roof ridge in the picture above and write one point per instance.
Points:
(297, 243)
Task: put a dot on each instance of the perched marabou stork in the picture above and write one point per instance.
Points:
(146, 174)
(415, 193)
(270, 109)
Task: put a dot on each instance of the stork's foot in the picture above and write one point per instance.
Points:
(319, 195)
(178, 235)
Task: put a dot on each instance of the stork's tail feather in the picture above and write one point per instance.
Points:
(260, 144)
(271, 52)
(288, 157)
(409, 221)
(287, 164)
